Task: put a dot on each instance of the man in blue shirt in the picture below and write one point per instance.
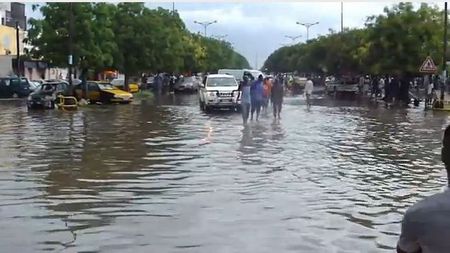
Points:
(256, 95)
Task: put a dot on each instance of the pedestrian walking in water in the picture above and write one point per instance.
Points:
(426, 224)
(245, 98)
(277, 96)
(256, 95)
(309, 87)
(267, 88)
(158, 82)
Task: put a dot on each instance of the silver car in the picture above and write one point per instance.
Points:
(187, 84)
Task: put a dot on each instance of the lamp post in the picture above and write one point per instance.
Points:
(342, 16)
(444, 56)
(205, 24)
(18, 48)
(70, 58)
(307, 25)
(293, 38)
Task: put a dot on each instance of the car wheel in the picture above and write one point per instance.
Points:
(14, 95)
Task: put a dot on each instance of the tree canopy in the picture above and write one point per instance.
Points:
(126, 36)
(395, 42)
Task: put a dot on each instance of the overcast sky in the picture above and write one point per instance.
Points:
(257, 29)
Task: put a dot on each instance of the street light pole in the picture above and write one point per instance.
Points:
(342, 16)
(205, 24)
(444, 57)
(18, 48)
(307, 25)
(293, 38)
(70, 60)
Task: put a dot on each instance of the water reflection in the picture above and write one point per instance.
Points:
(163, 176)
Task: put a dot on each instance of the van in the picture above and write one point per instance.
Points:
(239, 73)
(14, 87)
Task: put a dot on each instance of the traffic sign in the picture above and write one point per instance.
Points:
(428, 66)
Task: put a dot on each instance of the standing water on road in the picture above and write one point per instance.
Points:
(167, 177)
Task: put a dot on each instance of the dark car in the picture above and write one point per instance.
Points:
(46, 95)
(14, 87)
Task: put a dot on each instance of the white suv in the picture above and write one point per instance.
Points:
(219, 91)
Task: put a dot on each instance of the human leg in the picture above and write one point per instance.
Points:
(279, 109)
(253, 109)
(245, 112)
(258, 109)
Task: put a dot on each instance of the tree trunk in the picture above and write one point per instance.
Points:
(83, 81)
(125, 82)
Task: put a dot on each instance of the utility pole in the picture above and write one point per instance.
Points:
(342, 16)
(70, 60)
(18, 49)
(205, 24)
(444, 57)
(173, 8)
(307, 25)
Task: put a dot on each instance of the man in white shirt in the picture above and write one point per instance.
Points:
(309, 87)
(426, 225)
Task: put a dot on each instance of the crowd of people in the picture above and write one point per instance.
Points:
(396, 90)
(257, 95)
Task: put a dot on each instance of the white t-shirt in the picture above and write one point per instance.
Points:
(426, 225)
(309, 86)
(430, 88)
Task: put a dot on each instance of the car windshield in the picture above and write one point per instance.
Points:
(220, 81)
(105, 86)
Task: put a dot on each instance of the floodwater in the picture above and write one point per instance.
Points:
(163, 176)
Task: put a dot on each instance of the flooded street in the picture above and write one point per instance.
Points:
(170, 178)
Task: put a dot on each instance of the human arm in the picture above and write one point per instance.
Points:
(408, 241)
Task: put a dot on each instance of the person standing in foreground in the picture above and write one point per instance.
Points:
(277, 96)
(426, 224)
(244, 95)
(309, 87)
(256, 94)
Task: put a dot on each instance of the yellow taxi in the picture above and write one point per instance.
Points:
(102, 92)
(119, 83)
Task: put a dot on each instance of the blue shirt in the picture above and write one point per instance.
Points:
(257, 91)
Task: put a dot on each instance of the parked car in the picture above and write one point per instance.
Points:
(103, 92)
(119, 83)
(14, 87)
(45, 96)
(219, 91)
(190, 83)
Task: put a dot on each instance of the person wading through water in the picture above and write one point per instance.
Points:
(277, 96)
(309, 87)
(426, 224)
(267, 87)
(256, 94)
(245, 98)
